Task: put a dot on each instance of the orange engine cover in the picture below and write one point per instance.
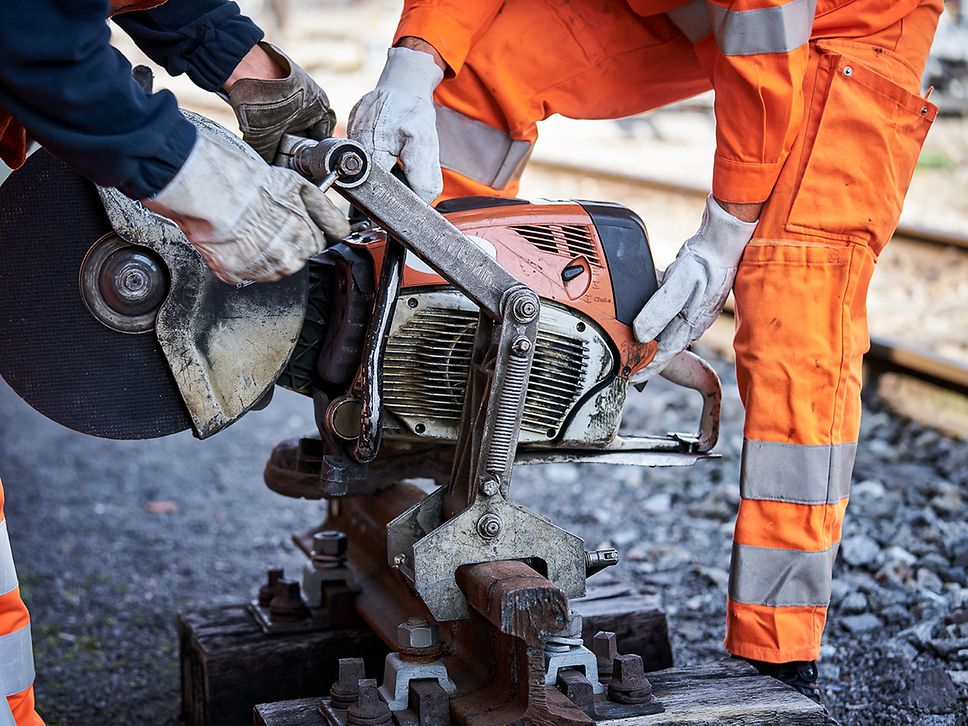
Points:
(591, 257)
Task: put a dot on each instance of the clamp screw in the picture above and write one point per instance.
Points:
(520, 347)
(489, 526)
(268, 591)
(490, 486)
(347, 686)
(287, 604)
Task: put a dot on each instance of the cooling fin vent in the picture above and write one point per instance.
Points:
(566, 240)
(427, 360)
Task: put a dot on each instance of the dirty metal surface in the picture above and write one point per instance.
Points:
(225, 345)
(421, 535)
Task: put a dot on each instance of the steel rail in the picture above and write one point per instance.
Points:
(913, 233)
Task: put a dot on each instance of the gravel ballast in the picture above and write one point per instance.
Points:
(112, 539)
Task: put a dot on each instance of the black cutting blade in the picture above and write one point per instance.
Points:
(53, 352)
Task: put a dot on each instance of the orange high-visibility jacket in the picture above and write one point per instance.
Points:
(754, 52)
(13, 137)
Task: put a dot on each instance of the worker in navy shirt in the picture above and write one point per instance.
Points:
(63, 85)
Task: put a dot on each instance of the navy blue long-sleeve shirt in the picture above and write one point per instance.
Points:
(73, 92)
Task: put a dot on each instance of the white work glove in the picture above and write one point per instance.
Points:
(251, 221)
(397, 120)
(694, 288)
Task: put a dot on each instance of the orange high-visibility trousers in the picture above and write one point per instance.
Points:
(801, 328)
(16, 652)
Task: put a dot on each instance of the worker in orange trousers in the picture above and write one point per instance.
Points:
(819, 123)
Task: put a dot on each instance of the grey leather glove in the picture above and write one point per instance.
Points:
(250, 221)
(397, 120)
(695, 287)
(267, 109)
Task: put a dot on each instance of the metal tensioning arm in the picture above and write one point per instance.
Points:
(392, 205)
(505, 342)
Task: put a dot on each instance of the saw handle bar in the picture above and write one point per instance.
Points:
(690, 371)
(505, 340)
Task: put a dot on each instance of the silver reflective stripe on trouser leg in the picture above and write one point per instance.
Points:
(778, 29)
(8, 573)
(478, 151)
(781, 578)
(796, 473)
(16, 652)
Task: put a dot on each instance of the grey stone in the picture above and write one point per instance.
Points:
(839, 589)
(929, 580)
(931, 691)
(900, 555)
(860, 623)
(871, 488)
(660, 503)
(897, 615)
(922, 633)
(859, 550)
(958, 552)
(855, 602)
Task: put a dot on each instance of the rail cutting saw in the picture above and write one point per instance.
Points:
(492, 331)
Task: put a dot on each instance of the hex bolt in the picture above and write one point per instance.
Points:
(489, 526)
(268, 591)
(520, 347)
(369, 709)
(345, 690)
(418, 633)
(524, 309)
(350, 163)
(629, 684)
(399, 559)
(605, 648)
(490, 486)
(330, 543)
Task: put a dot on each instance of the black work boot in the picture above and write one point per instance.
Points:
(801, 676)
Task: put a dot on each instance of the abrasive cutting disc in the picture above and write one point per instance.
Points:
(53, 352)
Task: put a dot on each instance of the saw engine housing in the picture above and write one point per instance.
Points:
(590, 264)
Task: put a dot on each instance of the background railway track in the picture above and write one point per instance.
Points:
(886, 355)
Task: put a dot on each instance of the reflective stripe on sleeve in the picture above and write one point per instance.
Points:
(781, 578)
(794, 473)
(692, 19)
(8, 573)
(478, 151)
(770, 30)
(16, 661)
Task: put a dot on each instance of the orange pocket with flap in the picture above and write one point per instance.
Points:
(863, 137)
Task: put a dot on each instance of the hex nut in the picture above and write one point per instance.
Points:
(418, 633)
(330, 543)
